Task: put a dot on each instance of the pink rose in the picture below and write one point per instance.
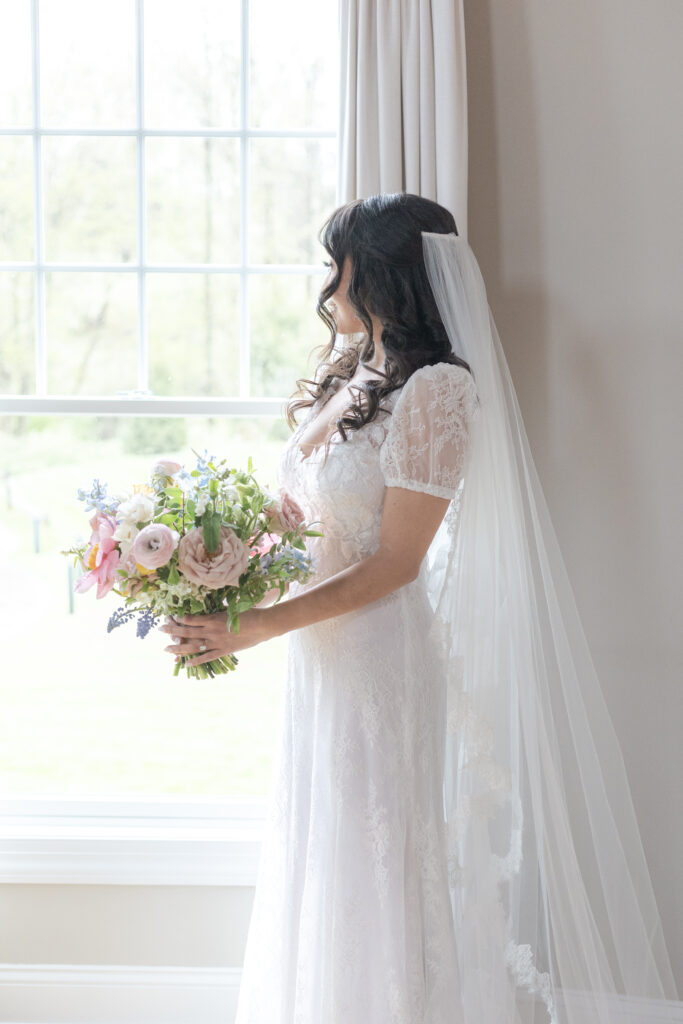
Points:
(284, 514)
(154, 545)
(101, 557)
(166, 467)
(223, 568)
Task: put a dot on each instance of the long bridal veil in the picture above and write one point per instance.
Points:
(555, 915)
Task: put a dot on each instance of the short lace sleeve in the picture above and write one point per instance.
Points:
(428, 436)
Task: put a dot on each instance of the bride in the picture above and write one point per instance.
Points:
(451, 838)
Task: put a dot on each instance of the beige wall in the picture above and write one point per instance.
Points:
(151, 925)
(576, 217)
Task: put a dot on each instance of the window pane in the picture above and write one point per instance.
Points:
(193, 213)
(300, 51)
(192, 64)
(292, 192)
(87, 64)
(284, 330)
(17, 374)
(16, 198)
(194, 333)
(90, 199)
(98, 712)
(15, 65)
(91, 327)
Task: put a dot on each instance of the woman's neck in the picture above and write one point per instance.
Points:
(378, 357)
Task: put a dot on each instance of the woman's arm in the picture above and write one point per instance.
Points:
(409, 521)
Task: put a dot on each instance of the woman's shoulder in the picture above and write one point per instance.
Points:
(447, 380)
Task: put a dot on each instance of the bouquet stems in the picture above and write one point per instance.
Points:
(208, 669)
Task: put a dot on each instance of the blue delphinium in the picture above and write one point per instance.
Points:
(97, 498)
(300, 558)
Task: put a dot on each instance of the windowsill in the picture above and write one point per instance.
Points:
(131, 841)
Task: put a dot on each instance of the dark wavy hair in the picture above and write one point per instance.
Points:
(382, 236)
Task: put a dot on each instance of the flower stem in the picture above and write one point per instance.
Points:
(208, 669)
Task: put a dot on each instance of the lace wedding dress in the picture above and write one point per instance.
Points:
(352, 920)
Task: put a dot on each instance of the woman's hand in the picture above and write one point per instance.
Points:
(207, 636)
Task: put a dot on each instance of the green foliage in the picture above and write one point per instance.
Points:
(153, 436)
(211, 529)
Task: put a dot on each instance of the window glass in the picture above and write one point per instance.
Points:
(87, 64)
(16, 102)
(193, 208)
(293, 64)
(91, 328)
(158, 232)
(292, 192)
(194, 334)
(16, 198)
(90, 199)
(285, 331)
(89, 711)
(17, 363)
(192, 64)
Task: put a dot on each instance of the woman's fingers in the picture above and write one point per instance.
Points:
(210, 639)
(205, 656)
(178, 629)
(191, 625)
(188, 647)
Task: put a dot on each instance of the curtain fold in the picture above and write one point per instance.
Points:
(403, 101)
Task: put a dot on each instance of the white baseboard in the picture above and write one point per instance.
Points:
(92, 994)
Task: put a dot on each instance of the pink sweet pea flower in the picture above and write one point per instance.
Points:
(264, 544)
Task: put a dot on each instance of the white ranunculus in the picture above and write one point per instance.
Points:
(125, 533)
(139, 508)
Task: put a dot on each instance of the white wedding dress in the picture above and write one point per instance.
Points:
(352, 920)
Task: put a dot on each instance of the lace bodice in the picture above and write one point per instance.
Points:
(418, 441)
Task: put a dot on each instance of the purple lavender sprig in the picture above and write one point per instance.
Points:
(147, 619)
(120, 616)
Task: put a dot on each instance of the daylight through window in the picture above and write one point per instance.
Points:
(166, 169)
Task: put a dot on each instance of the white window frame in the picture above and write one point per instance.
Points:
(155, 840)
(102, 840)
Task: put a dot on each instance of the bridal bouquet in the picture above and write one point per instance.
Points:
(191, 542)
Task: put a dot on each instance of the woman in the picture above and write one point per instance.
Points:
(421, 698)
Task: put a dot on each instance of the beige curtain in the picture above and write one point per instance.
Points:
(403, 101)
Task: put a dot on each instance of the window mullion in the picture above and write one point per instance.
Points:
(143, 340)
(39, 239)
(245, 353)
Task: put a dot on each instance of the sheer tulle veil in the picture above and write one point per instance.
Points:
(555, 915)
